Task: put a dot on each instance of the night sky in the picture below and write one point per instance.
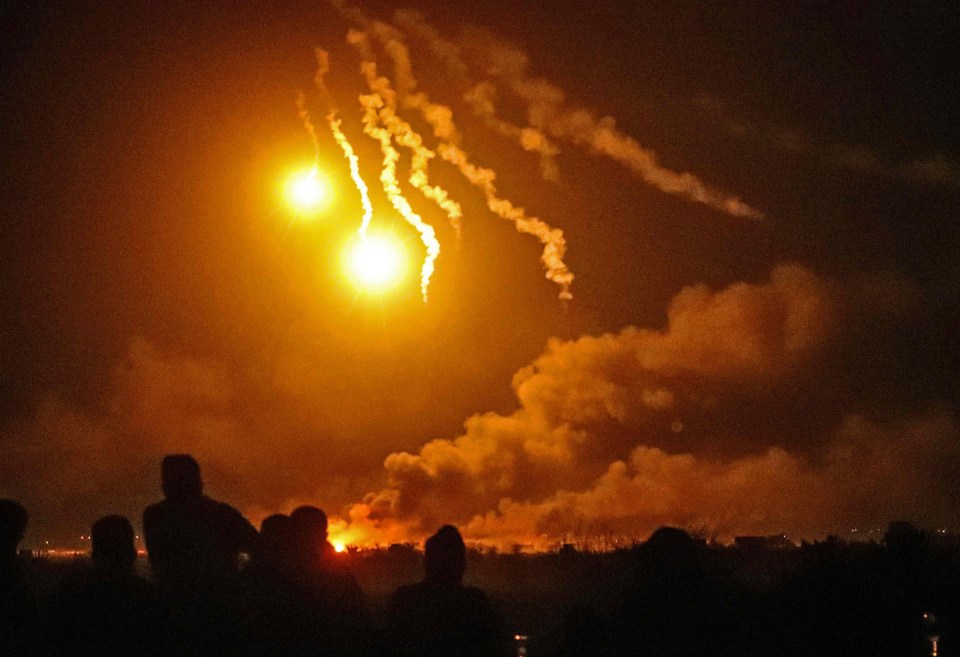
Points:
(796, 372)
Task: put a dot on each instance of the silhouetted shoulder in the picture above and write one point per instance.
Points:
(237, 527)
(89, 616)
(428, 619)
(17, 610)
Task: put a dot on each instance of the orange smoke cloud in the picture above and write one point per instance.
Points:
(628, 431)
(871, 473)
(730, 418)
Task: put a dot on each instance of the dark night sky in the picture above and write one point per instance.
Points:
(144, 240)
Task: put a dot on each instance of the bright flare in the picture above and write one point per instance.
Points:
(375, 263)
(339, 547)
(308, 192)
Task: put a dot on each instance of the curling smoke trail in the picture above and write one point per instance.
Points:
(440, 119)
(549, 113)
(388, 177)
(354, 173)
(309, 127)
(554, 244)
(323, 67)
(403, 132)
(480, 97)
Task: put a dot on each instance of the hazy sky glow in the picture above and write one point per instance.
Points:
(758, 205)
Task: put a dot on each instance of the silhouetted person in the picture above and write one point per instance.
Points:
(17, 608)
(273, 551)
(326, 593)
(106, 609)
(312, 550)
(675, 605)
(193, 542)
(440, 616)
(271, 614)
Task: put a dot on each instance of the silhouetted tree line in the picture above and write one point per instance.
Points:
(678, 596)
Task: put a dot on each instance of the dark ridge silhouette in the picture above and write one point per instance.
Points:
(106, 609)
(440, 616)
(17, 607)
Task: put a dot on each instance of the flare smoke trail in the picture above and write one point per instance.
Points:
(440, 119)
(554, 244)
(548, 112)
(323, 67)
(355, 174)
(480, 99)
(372, 103)
(308, 126)
(404, 133)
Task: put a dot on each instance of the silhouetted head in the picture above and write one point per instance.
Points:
(274, 547)
(669, 545)
(180, 477)
(113, 548)
(13, 524)
(275, 526)
(309, 525)
(904, 540)
(446, 555)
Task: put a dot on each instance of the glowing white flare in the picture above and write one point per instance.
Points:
(308, 192)
(375, 263)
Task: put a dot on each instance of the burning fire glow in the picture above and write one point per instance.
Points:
(339, 547)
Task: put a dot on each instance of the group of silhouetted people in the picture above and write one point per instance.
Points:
(292, 597)
(219, 587)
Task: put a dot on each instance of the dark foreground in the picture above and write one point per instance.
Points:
(670, 596)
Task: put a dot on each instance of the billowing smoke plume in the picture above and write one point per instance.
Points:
(741, 415)
(692, 425)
